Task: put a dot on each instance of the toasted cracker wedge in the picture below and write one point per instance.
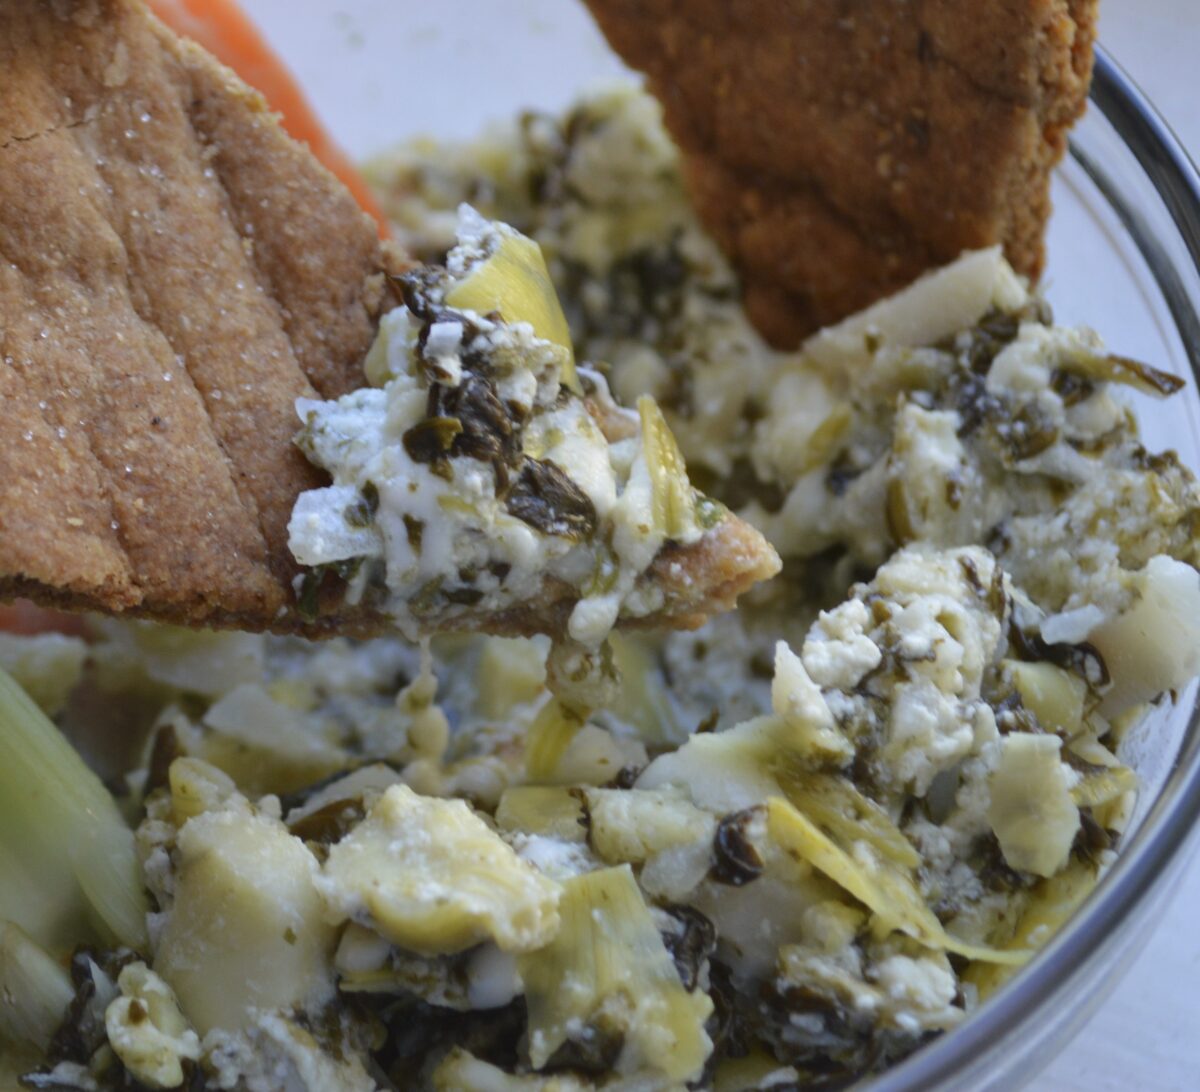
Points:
(485, 481)
(836, 151)
(175, 272)
(696, 582)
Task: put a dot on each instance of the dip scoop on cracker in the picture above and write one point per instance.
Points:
(176, 273)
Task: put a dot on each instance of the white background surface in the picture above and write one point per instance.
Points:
(1147, 1035)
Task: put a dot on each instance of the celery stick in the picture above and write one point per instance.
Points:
(61, 835)
(34, 991)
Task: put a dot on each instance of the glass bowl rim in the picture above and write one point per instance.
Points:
(1175, 814)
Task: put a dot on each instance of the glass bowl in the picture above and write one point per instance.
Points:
(1124, 245)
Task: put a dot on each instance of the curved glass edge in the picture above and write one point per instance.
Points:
(1148, 860)
(1174, 175)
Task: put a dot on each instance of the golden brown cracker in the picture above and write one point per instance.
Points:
(696, 581)
(174, 272)
(836, 150)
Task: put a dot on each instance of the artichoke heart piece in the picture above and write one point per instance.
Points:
(607, 971)
(888, 892)
(754, 1070)
(1049, 905)
(1031, 810)
(1154, 645)
(672, 500)
(265, 745)
(629, 825)
(549, 736)
(514, 281)
(1103, 785)
(644, 699)
(246, 932)
(512, 671)
(430, 876)
(723, 771)
(936, 306)
(547, 810)
(834, 804)
(196, 787)
(798, 700)
(825, 439)
(47, 666)
(1054, 696)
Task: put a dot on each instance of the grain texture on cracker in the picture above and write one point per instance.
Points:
(174, 272)
(838, 150)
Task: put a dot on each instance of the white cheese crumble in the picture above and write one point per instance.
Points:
(147, 1030)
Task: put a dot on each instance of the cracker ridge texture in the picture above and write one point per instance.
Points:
(174, 272)
(837, 150)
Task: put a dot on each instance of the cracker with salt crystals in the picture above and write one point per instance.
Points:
(174, 273)
(837, 150)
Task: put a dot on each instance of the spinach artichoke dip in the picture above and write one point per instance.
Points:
(488, 484)
(783, 850)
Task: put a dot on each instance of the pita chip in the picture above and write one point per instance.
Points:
(836, 151)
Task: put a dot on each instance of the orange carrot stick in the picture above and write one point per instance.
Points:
(23, 617)
(221, 27)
